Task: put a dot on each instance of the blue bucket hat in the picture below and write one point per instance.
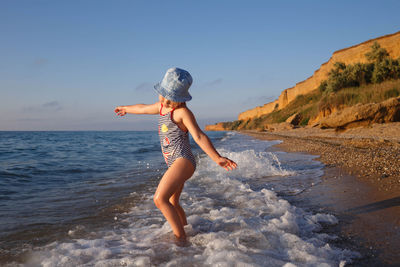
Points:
(175, 85)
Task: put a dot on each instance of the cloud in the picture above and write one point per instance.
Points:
(30, 120)
(40, 62)
(45, 107)
(259, 100)
(213, 83)
(143, 87)
(52, 104)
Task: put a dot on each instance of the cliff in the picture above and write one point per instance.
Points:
(215, 127)
(348, 55)
(358, 115)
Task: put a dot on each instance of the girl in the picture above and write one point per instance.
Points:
(175, 121)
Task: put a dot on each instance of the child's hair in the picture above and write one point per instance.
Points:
(177, 104)
(174, 104)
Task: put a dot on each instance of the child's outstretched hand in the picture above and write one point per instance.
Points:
(226, 163)
(120, 111)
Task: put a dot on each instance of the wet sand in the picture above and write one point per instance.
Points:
(360, 186)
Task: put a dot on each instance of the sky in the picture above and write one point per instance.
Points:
(65, 65)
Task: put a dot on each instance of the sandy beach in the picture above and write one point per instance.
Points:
(361, 184)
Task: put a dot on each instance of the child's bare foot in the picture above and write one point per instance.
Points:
(181, 241)
(180, 238)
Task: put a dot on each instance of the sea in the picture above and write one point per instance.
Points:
(86, 199)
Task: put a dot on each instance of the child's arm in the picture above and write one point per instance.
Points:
(204, 142)
(138, 109)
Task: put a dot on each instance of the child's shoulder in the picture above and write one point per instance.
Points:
(183, 112)
(183, 109)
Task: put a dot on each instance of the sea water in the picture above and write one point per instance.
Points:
(86, 199)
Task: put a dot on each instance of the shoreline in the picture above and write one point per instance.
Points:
(367, 203)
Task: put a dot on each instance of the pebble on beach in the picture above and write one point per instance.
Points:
(370, 158)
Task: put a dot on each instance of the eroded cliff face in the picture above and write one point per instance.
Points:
(258, 111)
(363, 114)
(348, 55)
(215, 127)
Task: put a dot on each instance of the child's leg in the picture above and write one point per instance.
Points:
(173, 179)
(174, 200)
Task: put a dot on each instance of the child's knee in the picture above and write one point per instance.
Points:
(159, 201)
(174, 202)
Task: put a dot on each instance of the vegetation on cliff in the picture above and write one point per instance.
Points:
(379, 68)
(347, 85)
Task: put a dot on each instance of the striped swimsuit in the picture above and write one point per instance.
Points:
(174, 142)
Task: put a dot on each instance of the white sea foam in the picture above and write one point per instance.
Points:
(230, 224)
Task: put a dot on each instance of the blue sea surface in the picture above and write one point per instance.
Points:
(54, 179)
(85, 198)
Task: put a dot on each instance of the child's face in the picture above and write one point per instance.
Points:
(168, 103)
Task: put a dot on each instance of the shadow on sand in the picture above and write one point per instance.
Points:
(388, 203)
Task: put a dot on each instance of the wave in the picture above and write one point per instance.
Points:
(230, 224)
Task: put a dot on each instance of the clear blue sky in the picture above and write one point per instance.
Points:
(65, 65)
